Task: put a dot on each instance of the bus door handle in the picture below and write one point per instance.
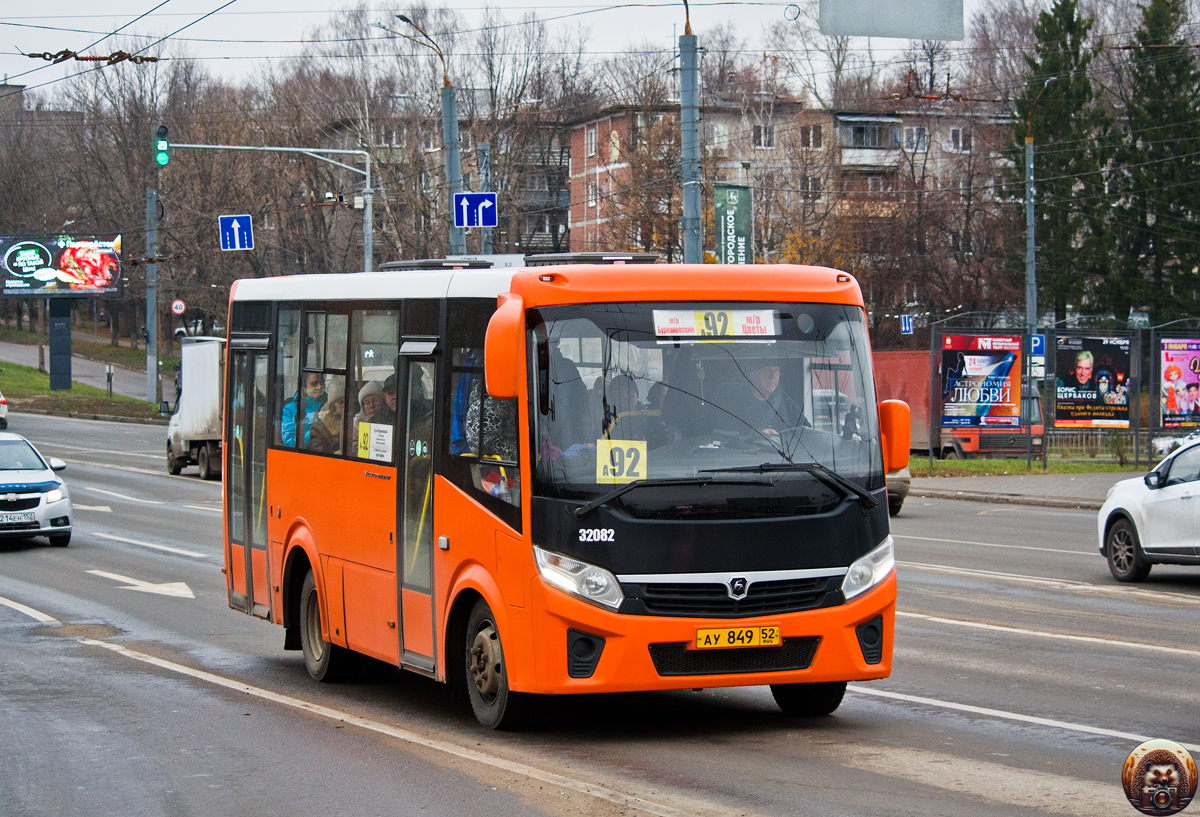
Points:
(443, 542)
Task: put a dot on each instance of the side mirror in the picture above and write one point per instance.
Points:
(164, 409)
(503, 358)
(895, 425)
(1153, 480)
(57, 465)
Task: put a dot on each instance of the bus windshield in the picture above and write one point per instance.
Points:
(629, 392)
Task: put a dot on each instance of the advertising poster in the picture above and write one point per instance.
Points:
(1179, 390)
(733, 238)
(1093, 383)
(981, 380)
(44, 266)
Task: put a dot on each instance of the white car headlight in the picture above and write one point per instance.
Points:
(55, 495)
(588, 582)
(869, 570)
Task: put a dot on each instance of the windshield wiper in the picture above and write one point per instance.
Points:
(821, 472)
(586, 509)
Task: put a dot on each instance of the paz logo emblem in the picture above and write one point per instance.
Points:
(738, 588)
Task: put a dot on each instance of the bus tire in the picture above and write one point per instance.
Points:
(494, 704)
(173, 466)
(809, 700)
(324, 661)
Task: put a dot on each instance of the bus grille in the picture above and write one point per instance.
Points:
(677, 659)
(712, 600)
(23, 503)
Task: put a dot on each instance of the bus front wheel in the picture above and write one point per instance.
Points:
(494, 704)
(809, 700)
(325, 661)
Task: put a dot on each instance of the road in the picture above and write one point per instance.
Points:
(1023, 677)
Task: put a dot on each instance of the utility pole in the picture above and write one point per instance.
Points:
(458, 242)
(152, 296)
(693, 244)
(484, 156)
(1030, 268)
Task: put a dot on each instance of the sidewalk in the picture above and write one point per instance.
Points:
(1083, 491)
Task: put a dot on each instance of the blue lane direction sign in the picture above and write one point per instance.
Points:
(475, 210)
(906, 324)
(1037, 344)
(236, 232)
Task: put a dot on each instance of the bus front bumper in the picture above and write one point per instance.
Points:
(581, 648)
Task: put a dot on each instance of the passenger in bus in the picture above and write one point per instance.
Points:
(387, 414)
(314, 398)
(370, 401)
(326, 434)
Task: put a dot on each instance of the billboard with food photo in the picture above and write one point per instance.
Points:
(1093, 382)
(981, 380)
(45, 266)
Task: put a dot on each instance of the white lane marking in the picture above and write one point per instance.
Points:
(168, 549)
(202, 508)
(49, 444)
(1092, 552)
(1009, 716)
(511, 766)
(37, 615)
(100, 508)
(1059, 584)
(120, 496)
(108, 466)
(176, 589)
(1086, 639)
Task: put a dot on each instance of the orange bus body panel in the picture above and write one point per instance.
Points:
(237, 569)
(376, 593)
(258, 563)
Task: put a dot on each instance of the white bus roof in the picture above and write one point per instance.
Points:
(358, 286)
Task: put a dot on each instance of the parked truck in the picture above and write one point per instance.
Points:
(904, 375)
(194, 430)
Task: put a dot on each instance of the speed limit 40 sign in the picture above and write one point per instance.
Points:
(178, 307)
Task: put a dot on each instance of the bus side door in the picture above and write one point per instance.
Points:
(418, 373)
(245, 482)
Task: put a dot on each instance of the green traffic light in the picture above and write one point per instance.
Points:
(162, 157)
(162, 146)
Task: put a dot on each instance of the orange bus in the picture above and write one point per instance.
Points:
(565, 479)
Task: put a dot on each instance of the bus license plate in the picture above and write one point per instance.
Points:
(10, 518)
(732, 637)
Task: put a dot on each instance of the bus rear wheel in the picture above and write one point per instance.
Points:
(494, 704)
(809, 700)
(324, 661)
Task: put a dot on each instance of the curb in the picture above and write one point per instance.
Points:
(108, 418)
(1069, 503)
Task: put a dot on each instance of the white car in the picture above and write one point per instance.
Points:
(1153, 519)
(34, 501)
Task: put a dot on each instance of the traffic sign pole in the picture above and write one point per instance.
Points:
(152, 296)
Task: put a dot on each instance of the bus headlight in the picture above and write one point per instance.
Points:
(54, 495)
(588, 582)
(869, 570)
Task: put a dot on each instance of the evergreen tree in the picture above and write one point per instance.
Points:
(1060, 111)
(1157, 167)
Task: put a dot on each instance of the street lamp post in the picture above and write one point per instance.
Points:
(458, 243)
(689, 122)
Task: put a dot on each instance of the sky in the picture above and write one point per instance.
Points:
(233, 38)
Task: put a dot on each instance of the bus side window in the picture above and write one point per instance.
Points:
(374, 344)
(287, 372)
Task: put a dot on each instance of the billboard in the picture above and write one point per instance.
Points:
(1093, 382)
(732, 223)
(981, 380)
(1179, 389)
(41, 266)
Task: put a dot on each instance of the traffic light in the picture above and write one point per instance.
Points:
(162, 146)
